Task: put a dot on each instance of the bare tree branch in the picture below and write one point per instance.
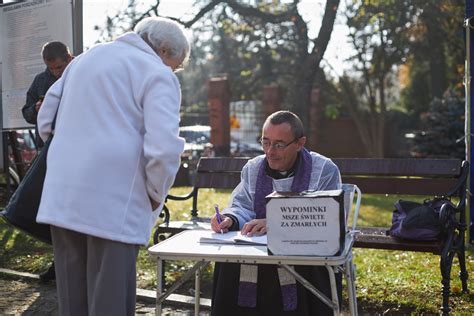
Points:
(153, 8)
(264, 16)
(211, 5)
(324, 35)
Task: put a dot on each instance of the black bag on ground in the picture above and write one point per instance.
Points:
(416, 221)
(23, 206)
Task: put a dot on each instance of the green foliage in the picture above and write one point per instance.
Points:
(415, 97)
(442, 130)
(379, 37)
(377, 34)
(399, 282)
(409, 46)
(251, 43)
(436, 53)
(19, 251)
(247, 50)
(331, 111)
(181, 210)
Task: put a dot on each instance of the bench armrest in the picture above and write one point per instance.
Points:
(460, 187)
(447, 215)
(181, 197)
(191, 195)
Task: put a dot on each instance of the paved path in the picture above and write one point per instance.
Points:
(29, 296)
(18, 297)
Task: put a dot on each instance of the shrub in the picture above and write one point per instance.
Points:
(442, 129)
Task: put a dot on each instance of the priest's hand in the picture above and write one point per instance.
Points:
(255, 227)
(224, 226)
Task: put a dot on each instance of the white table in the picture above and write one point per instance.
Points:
(186, 246)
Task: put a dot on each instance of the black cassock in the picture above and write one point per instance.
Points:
(269, 301)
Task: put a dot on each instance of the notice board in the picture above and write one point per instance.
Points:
(24, 28)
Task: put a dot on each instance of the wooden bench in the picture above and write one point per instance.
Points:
(420, 177)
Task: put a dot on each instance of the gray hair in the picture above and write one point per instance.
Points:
(164, 33)
(291, 118)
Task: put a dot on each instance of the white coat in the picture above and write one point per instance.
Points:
(115, 143)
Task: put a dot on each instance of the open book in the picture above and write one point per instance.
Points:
(233, 238)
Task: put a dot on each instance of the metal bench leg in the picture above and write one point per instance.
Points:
(446, 263)
(463, 275)
(158, 236)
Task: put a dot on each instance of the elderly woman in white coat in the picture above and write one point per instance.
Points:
(112, 160)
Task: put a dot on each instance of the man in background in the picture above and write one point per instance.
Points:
(56, 57)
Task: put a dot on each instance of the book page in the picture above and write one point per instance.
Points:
(256, 240)
(234, 237)
(209, 236)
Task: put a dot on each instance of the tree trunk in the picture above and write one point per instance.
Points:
(302, 99)
(309, 67)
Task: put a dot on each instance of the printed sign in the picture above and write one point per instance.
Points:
(24, 28)
(309, 224)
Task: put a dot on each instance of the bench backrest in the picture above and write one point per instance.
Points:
(219, 172)
(404, 176)
(379, 176)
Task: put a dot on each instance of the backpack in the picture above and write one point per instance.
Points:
(412, 220)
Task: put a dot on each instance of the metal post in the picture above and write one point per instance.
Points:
(6, 163)
(197, 294)
(77, 34)
(467, 132)
(468, 24)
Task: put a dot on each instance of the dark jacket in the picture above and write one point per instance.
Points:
(39, 87)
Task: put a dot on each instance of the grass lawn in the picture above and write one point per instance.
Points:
(389, 282)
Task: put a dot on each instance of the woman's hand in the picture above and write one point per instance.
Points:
(255, 227)
(154, 204)
(38, 105)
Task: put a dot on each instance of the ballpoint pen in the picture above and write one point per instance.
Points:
(218, 216)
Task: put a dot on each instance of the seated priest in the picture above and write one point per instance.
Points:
(241, 289)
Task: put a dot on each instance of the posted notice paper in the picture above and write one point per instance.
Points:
(233, 238)
(309, 224)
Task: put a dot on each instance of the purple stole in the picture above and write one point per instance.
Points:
(248, 273)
